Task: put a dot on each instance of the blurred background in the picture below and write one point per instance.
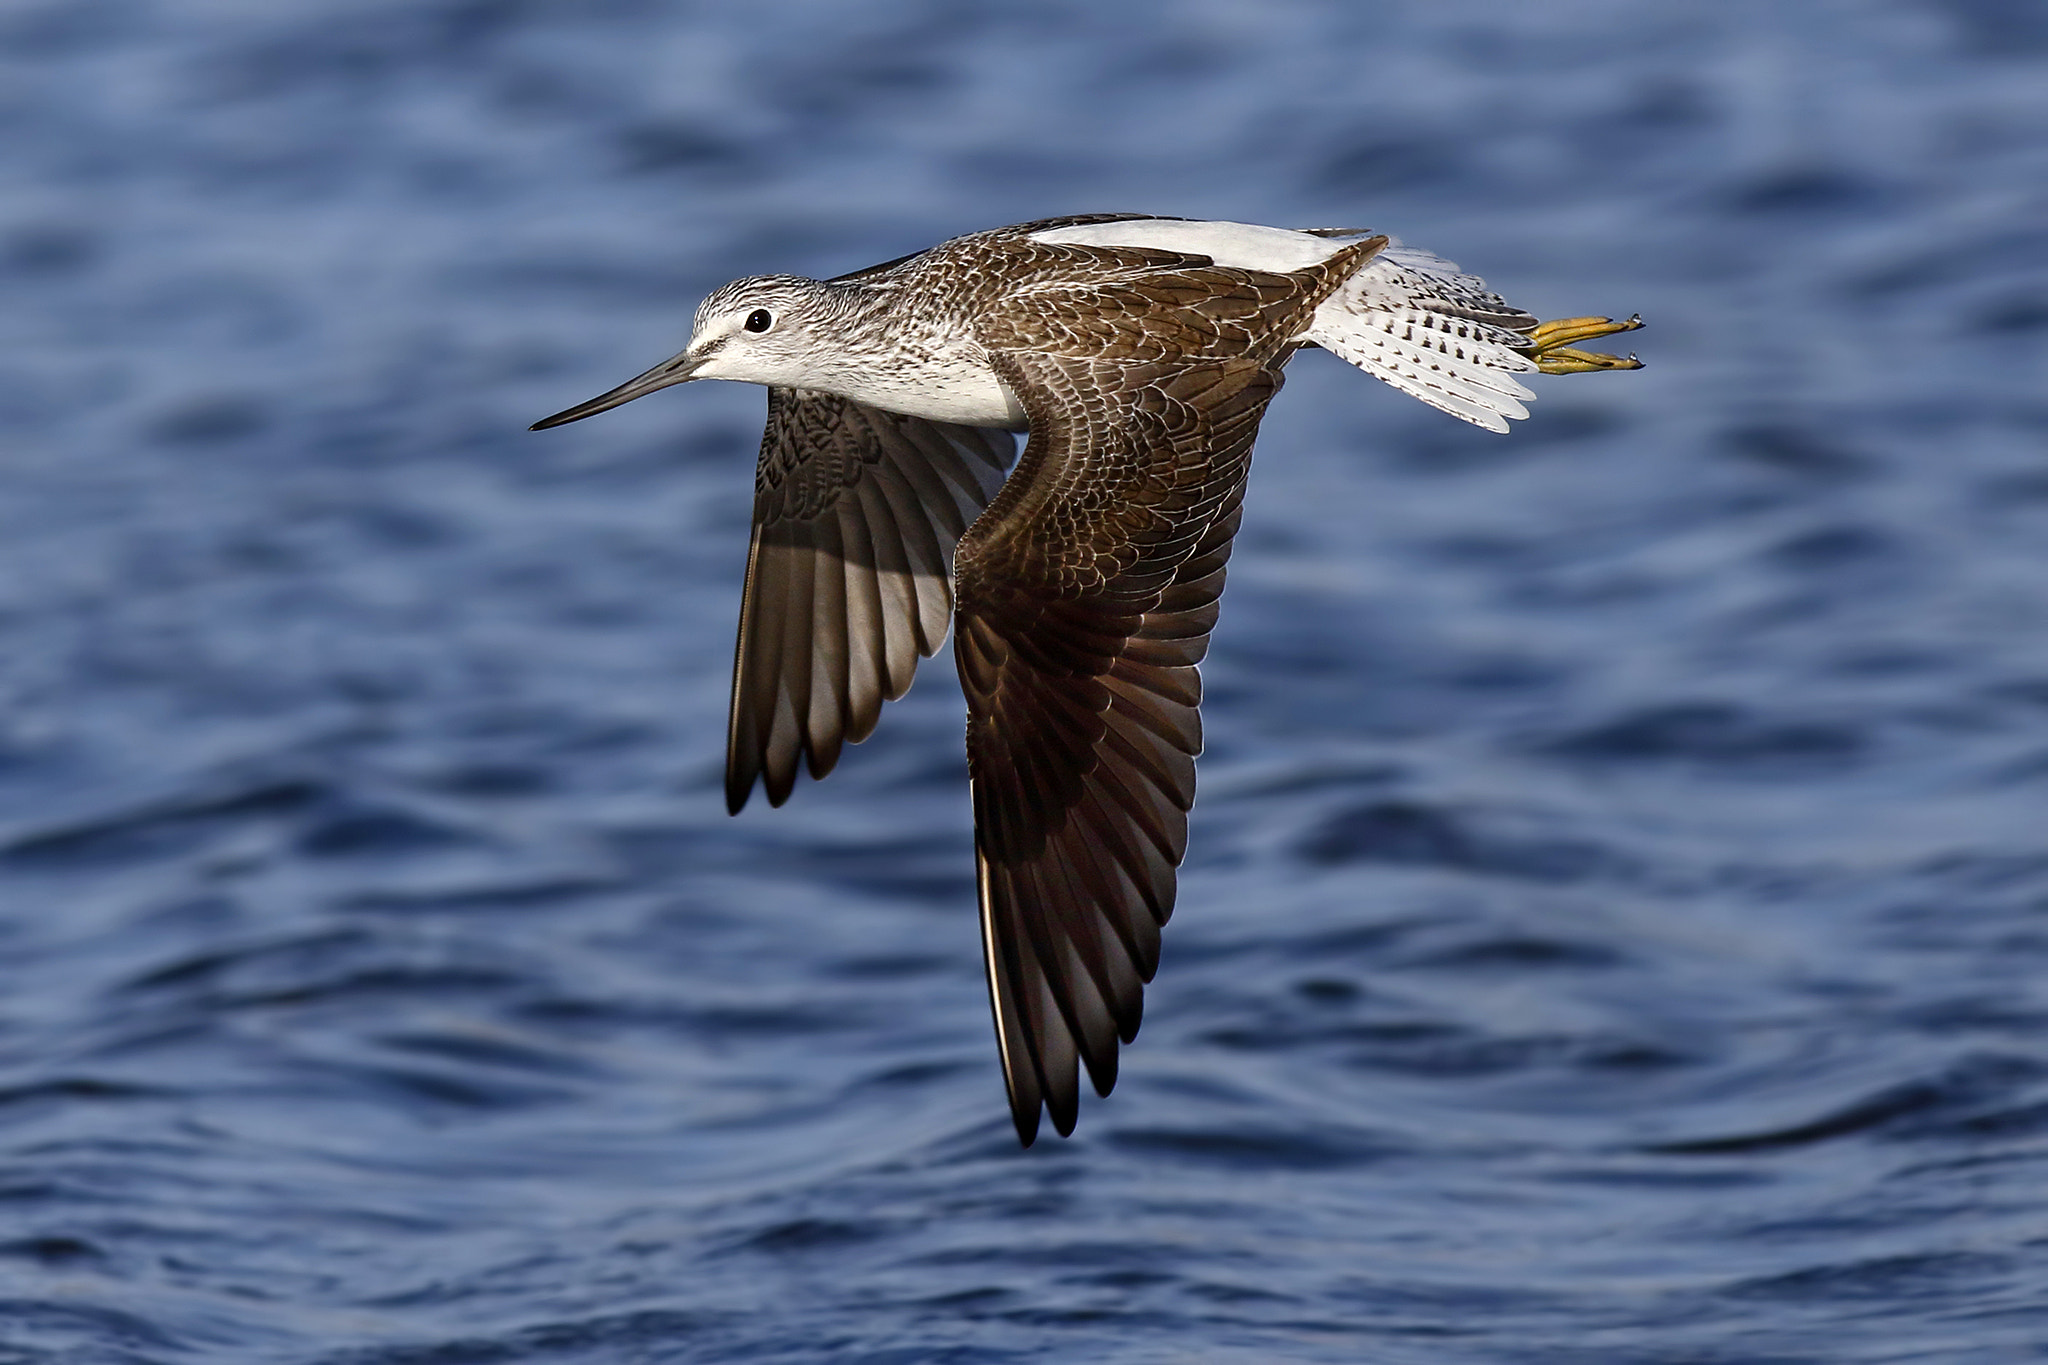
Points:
(1618, 903)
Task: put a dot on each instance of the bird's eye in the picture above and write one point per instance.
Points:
(760, 320)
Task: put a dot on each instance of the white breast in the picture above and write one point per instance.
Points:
(945, 390)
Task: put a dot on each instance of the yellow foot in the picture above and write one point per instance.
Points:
(1549, 345)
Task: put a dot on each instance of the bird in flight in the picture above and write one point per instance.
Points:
(1138, 354)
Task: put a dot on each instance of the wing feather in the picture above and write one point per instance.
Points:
(831, 655)
(898, 587)
(867, 627)
(1080, 632)
(856, 513)
(925, 559)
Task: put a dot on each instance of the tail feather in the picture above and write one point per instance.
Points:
(1414, 321)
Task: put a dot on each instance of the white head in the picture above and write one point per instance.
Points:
(764, 329)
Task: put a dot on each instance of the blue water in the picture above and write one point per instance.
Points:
(1616, 927)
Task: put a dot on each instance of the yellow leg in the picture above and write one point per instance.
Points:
(1549, 345)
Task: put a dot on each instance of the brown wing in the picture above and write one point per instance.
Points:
(1087, 593)
(856, 512)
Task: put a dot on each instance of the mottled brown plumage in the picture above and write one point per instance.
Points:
(1086, 595)
(1086, 584)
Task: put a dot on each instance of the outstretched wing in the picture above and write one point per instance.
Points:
(1419, 323)
(1087, 594)
(856, 512)
(1087, 591)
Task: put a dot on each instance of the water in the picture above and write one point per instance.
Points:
(1618, 908)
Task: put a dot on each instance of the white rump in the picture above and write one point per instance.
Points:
(1247, 246)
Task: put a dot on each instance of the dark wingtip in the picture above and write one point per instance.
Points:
(1064, 1121)
(739, 777)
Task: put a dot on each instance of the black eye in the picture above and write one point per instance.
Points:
(760, 320)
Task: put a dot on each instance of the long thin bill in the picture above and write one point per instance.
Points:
(675, 370)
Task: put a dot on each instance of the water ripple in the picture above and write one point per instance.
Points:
(1613, 924)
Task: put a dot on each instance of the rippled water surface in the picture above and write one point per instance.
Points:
(1618, 909)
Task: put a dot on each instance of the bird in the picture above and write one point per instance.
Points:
(1137, 354)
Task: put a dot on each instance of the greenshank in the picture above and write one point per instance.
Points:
(1139, 354)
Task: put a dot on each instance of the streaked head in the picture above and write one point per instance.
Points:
(758, 330)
